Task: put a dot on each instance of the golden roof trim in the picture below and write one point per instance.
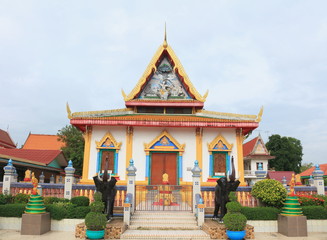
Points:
(232, 115)
(81, 114)
(181, 118)
(152, 67)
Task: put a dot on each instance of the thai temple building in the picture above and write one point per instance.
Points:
(164, 129)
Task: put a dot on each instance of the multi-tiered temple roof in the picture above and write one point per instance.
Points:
(164, 97)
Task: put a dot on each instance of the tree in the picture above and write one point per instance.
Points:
(287, 152)
(74, 149)
(306, 166)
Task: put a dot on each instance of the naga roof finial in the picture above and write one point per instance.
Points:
(165, 44)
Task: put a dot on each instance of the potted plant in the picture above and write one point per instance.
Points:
(95, 220)
(234, 220)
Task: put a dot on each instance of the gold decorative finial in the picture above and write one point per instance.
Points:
(259, 115)
(69, 113)
(165, 44)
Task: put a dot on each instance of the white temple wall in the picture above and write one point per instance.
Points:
(119, 133)
(254, 164)
(146, 135)
(209, 134)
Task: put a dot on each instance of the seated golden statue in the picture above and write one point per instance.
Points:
(27, 177)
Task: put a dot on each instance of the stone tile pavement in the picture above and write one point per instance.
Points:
(54, 235)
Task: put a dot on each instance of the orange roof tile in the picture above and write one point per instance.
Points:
(249, 146)
(39, 156)
(309, 171)
(5, 140)
(43, 141)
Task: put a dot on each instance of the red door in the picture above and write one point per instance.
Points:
(163, 163)
(108, 156)
(219, 163)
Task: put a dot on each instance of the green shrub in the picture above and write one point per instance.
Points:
(80, 201)
(21, 198)
(77, 212)
(97, 207)
(260, 213)
(233, 207)
(56, 212)
(95, 221)
(271, 192)
(97, 197)
(6, 199)
(315, 212)
(232, 197)
(51, 200)
(235, 221)
(12, 210)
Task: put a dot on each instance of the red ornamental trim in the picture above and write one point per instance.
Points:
(164, 104)
(164, 123)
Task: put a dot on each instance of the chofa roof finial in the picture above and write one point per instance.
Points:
(165, 44)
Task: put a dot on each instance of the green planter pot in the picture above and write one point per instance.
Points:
(235, 235)
(95, 234)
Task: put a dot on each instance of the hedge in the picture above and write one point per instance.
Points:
(6, 199)
(12, 210)
(80, 201)
(260, 213)
(315, 212)
(61, 211)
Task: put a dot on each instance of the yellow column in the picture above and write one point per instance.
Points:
(129, 145)
(87, 149)
(240, 161)
(199, 134)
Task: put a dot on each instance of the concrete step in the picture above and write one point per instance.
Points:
(162, 221)
(163, 215)
(164, 227)
(165, 234)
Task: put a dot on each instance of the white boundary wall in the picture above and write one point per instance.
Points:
(68, 225)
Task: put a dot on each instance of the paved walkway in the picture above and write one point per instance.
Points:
(15, 235)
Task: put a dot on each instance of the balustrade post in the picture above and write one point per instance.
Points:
(8, 177)
(127, 208)
(52, 179)
(319, 180)
(69, 180)
(196, 171)
(131, 170)
(41, 178)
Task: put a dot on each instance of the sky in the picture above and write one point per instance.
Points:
(249, 54)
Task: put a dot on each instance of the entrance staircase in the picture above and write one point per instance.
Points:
(164, 225)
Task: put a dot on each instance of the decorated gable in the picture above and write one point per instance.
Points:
(164, 84)
(164, 142)
(164, 79)
(260, 148)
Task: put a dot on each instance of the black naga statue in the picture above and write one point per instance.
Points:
(222, 190)
(108, 190)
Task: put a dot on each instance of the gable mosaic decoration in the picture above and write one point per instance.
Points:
(108, 142)
(164, 84)
(164, 142)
